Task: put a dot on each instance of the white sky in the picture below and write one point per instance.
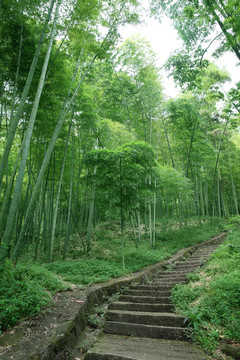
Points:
(164, 40)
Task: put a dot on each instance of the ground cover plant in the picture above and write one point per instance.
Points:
(27, 288)
(211, 301)
(101, 172)
(104, 261)
(24, 291)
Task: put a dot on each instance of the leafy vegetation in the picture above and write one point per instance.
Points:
(24, 291)
(100, 173)
(86, 271)
(211, 300)
(27, 288)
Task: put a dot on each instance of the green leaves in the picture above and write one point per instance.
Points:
(211, 300)
(187, 68)
(172, 183)
(195, 21)
(121, 174)
(24, 291)
(113, 134)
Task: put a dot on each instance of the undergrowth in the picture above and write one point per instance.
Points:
(24, 290)
(27, 288)
(211, 301)
(86, 272)
(106, 261)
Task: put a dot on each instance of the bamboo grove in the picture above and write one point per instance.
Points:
(88, 136)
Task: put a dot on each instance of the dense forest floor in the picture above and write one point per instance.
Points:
(35, 295)
(29, 286)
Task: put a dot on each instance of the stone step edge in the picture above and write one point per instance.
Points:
(146, 313)
(106, 356)
(143, 314)
(123, 303)
(147, 331)
(97, 294)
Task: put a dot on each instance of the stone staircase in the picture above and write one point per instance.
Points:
(143, 318)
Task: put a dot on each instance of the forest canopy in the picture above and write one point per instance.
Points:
(88, 135)
(101, 173)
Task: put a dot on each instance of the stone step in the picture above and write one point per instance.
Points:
(115, 347)
(145, 299)
(142, 324)
(188, 268)
(169, 282)
(171, 274)
(141, 307)
(150, 286)
(148, 292)
(146, 318)
(204, 252)
(147, 331)
(174, 272)
(190, 262)
(151, 292)
(171, 278)
(185, 266)
(200, 256)
(106, 356)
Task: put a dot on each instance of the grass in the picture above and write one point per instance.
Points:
(211, 301)
(27, 288)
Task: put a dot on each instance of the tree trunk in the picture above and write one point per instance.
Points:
(134, 230)
(219, 200)
(57, 199)
(26, 142)
(67, 235)
(139, 226)
(232, 182)
(90, 215)
(154, 219)
(14, 123)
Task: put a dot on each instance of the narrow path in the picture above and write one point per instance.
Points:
(142, 324)
(139, 325)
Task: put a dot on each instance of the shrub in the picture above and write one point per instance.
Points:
(24, 291)
(213, 309)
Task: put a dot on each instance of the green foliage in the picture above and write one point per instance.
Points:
(96, 320)
(86, 272)
(41, 275)
(172, 182)
(136, 259)
(186, 68)
(26, 288)
(182, 296)
(191, 72)
(105, 262)
(187, 236)
(113, 134)
(120, 174)
(24, 291)
(195, 21)
(211, 301)
(232, 223)
(119, 102)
